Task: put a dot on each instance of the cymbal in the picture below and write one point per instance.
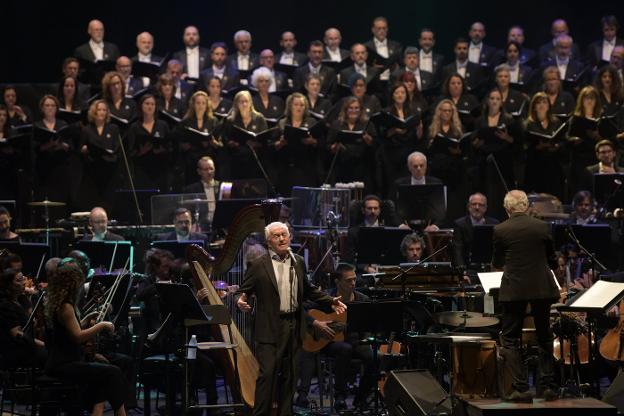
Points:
(46, 203)
(465, 319)
(193, 201)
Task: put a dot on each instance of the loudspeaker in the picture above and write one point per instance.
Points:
(615, 393)
(415, 393)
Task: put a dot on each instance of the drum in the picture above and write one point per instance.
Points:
(474, 369)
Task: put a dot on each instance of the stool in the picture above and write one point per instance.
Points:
(154, 370)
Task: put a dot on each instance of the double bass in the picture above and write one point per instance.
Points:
(248, 220)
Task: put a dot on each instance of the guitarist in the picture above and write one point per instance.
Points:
(341, 351)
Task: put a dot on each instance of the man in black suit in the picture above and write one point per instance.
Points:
(267, 60)
(71, 68)
(315, 66)
(278, 281)
(600, 50)
(471, 73)
(194, 58)
(570, 69)
(429, 60)
(98, 221)
(228, 74)
(145, 45)
(183, 223)
(183, 90)
(478, 52)
(243, 59)
(123, 65)
(333, 51)
(384, 47)
(559, 27)
(359, 55)
(605, 153)
(206, 185)
(424, 79)
(96, 49)
(523, 249)
(462, 234)
(288, 55)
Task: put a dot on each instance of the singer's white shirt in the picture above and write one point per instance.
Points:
(282, 269)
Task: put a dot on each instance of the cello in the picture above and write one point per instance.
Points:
(248, 220)
(612, 345)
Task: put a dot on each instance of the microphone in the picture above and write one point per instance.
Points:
(293, 261)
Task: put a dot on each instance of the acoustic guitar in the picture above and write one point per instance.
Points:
(314, 341)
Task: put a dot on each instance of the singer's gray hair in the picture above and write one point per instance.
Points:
(516, 201)
(271, 226)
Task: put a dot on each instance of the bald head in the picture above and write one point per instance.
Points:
(123, 65)
(98, 220)
(96, 30)
(145, 43)
(267, 58)
(332, 38)
(559, 27)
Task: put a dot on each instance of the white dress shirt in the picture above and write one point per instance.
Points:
(382, 49)
(98, 49)
(514, 73)
(334, 55)
(284, 270)
(209, 190)
(218, 72)
(415, 181)
(192, 62)
(426, 61)
(474, 52)
(562, 64)
(314, 70)
(287, 58)
(461, 68)
(243, 62)
(607, 48)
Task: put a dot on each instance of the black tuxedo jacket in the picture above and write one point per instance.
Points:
(298, 58)
(395, 49)
(437, 63)
(232, 60)
(488, 55)
(111, 52)
(427, 79)
(344, 54)
(328, 79)
(204, 58)
(260, 280)
(594, 51)
(462, 237)
(230, 78)
(198, 188)
(134, 85)
(523, 247)
(172, 236)
(107, 237)
(281, 81)
(547, 50)
(371, 74)
(573, 70)
(474, 78)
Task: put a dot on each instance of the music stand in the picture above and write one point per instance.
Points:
(178, 248)
(110, 255)
(226, 210)
(425, 203)
(33, 255)
(607, 192)
(481, 247)
(375, 317)
(380, 245)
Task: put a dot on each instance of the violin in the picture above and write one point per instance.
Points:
(611, 346)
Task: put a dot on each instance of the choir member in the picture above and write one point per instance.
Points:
(288, 55)
(319, 105)
(243, 59)
(166, 100)
(515, 102)
(478, 52)
(220, 67)
(600, 50)
(96, 49)
(430, 61)
(221, 106)
(114, 93)
(561, 102)
(559, 27)
(314, 66)
(332, 51)
(471, 73)
(193, 57)
(269, 105)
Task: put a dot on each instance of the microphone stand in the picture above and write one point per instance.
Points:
(333, 164)
(132, 188)
(492, 159)
(605, 206)
(266, 176)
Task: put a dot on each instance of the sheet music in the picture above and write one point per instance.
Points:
(490, 280)
(599, 295)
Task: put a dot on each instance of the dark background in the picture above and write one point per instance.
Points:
(37, 37)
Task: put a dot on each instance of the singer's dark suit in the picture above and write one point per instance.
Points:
(523, 246)
(273, 331)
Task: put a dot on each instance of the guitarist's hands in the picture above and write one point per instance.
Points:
(338, 306)
(324, 329)
(242, 303)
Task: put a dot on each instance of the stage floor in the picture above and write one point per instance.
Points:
(562, 407)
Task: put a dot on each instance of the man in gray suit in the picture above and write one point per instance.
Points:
(523, 249)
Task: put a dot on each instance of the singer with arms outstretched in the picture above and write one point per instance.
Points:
(278, 281)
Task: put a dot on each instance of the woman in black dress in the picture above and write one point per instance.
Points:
(609, 86)
(100, 146)
(353, 159)
(65, 336)
(467, 105)
(114, 93)
(166, 101)
(561, 102)
(319, 105)
(149, 147)
(220, 106)
(514, 102)
(545, 156)
(269, 105)
(397, 143)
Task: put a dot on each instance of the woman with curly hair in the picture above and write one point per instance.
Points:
(65, 336)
